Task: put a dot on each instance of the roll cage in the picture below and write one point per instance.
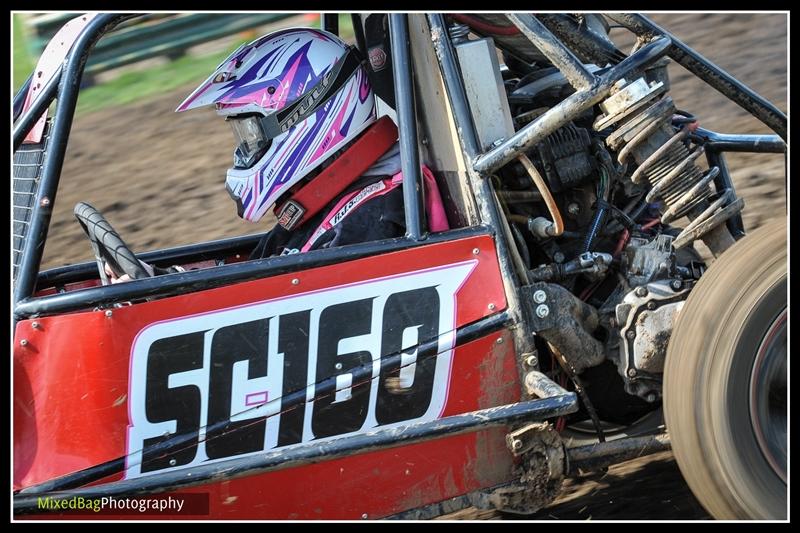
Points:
(64, 87)
(480, 212)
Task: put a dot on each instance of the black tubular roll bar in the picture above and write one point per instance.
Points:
(24, 125)
(19, 98)
(330, 22)
(64, 88)
(591, 89)
(562, 57)
(317, 451)
(716, 144)
(413, 190)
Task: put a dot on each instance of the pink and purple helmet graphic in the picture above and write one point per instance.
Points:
(265, 77)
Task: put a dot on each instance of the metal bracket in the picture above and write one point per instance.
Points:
(541, 471)
(564, 321)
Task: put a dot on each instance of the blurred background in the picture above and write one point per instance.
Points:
(158, 176)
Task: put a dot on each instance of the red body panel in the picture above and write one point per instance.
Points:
(71, 392)
(387, 482)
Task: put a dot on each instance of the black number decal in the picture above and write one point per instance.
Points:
(338, 322)
(417, 308)
(239, 342)
(293, 343)
(181, 404)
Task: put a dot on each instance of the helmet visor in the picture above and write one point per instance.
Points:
(251, 140)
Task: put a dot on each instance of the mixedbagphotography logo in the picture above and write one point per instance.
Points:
(173, 504)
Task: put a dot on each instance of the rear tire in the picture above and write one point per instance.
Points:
(724, 401)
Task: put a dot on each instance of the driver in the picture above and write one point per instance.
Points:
(309, 143)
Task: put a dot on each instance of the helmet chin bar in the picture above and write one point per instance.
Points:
(236, 198)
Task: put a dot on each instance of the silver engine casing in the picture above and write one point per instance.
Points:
(646, 316)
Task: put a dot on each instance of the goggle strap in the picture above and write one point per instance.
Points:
(277, 123)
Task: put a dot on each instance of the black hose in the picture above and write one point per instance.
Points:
(600, 214)
(523, 246)
(594, 227)
(570, 371)
(627, 217)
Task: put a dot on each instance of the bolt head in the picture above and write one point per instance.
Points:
(573, 209)
(172, 462)
(651, 305)
(631, 372)
(35, 325)
(676, 284)
(364, 516)
(558, 257)
(23, 342)
(45, 201)
(542, 311)
(531, 361)
(295, 281)
(491, 307)
(652, 397)
(109, 313)
(475, 251)
(499, 340)
(631, 334)
(641, 291)
(338, 366)
(539, 296)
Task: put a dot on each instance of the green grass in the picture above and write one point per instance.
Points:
(23, 62)
(134, 86)
(346, 28)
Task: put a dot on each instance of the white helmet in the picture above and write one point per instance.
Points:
(292, 98)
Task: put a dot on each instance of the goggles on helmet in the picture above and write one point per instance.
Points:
(254, 132)
(252, 141)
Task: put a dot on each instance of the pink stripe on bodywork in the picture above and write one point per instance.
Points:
(51, 61)
(256, 398)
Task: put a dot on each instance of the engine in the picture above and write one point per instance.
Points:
(608, 207)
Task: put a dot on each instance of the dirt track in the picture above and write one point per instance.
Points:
(159, 178)
(649, 488)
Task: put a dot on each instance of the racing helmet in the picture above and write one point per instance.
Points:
(293, 98)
